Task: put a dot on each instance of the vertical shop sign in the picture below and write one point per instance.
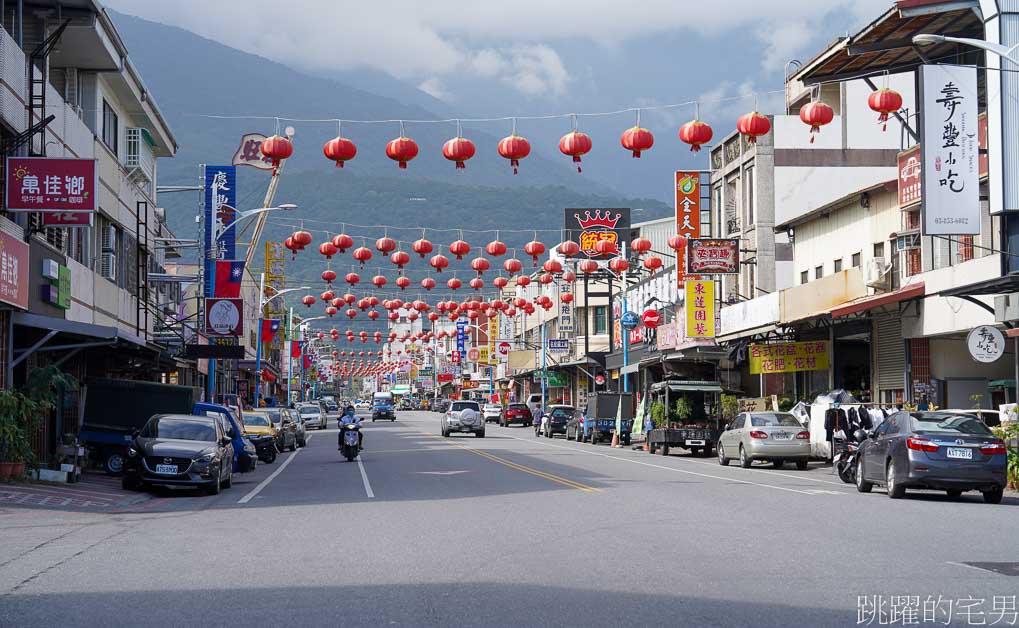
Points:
(700, 308)
(688, 215)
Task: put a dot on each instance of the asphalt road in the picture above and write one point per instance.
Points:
(509, 530)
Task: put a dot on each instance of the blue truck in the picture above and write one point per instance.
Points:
(600, 421)
(114, 409)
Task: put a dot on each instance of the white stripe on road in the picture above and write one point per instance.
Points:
(258, 489)
(364, 477)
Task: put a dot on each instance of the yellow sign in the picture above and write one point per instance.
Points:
(700, 308)
(483, 354)
(493, 333)
(789, 357)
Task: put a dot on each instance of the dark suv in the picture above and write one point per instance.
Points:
(555, 420)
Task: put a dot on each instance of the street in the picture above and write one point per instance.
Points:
(509, 530)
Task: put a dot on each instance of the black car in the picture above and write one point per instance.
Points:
(180, 450)
(555, 420)
(440, 405)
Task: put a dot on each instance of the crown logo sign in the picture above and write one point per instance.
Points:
(606, 219)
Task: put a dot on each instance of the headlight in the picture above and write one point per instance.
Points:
(209, 457)
(132, 452)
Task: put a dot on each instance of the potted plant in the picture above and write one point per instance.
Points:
(658, 413)
(17, 420)
(682, 410)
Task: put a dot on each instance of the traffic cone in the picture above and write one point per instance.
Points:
(615, 440)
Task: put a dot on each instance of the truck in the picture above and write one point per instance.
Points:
(698, 433)
(600, 421)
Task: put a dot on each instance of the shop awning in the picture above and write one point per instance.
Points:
(687, 386)
(400, 390)
(912, 291)
(747, 333)
(630, 368)
(80, 335)
(581, 362)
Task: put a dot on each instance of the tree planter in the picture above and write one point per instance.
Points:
(9, 470)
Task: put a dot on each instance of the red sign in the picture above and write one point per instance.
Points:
(503, 349)
(454, 356)
(909, 176)
(445, 378)
(713, 257)
(651, 318)
(67, 219)
(41, 184)
(599, 379)
(13, 271)
(688, 214)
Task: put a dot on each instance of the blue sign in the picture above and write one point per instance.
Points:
(629, 320)
(220, 190)
(558, 345)
(461, 335)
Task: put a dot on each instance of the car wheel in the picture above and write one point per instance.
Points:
(302, 443)
(994, 495)
(778, 462)
(954, 493)
(695, 451)
(480, 434)
(271, 458)
(229, 480)
(862, 485)
(895, 490)
(801, 464)
(114, 463)
(744, 460)
(722, 460)
(664, 450)
(214, 487)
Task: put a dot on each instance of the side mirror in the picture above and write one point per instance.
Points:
(225, 441)
(135, 434)
(861, 435)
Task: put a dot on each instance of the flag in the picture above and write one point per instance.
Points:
(638, 419)
(269, 328)
(295, 348)
(228, 279)
(307, 362)
(619, 416)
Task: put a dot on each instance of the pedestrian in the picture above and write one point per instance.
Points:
(924, 404)
(536, 419)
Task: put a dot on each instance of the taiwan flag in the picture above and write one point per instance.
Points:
(295, 348)
(307, 361)
(269, 329)
(228, 279)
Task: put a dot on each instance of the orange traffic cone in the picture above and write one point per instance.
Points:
(615, 440)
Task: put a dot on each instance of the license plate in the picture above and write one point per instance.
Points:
(960, 453)
(782, 436)
(170, 469)
(350, 438)
(694, 442)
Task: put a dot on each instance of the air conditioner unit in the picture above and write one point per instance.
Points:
(109, 238)
(108, 266)
(877, 272)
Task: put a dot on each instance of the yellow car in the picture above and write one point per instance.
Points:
(258, 423)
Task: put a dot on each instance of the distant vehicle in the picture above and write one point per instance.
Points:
(300, 433)
(362, 405)
(491, 412)
(440, 405)
(180, 450)
(533, 402)
(554, 421)
(331, 406)
(463, 416)
(382, 407)
(950, 451)
(514, 413)
(770, 436)
(313, 415)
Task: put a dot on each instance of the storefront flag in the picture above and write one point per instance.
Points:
(700, 308)
(619, 416)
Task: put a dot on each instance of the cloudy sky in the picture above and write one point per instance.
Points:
(497, 56)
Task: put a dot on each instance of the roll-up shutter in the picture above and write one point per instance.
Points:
(890, 354)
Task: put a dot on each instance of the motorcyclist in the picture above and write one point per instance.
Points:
(349, 417)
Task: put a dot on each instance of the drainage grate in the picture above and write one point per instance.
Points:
(1002, 569)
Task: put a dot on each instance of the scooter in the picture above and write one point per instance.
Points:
(265, 448)
(845, 462)
(351, 447)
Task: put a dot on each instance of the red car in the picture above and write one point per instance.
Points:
(515, 413)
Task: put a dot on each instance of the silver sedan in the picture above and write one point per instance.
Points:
(771, 436)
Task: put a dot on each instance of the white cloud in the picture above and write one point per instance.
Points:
(433, 87)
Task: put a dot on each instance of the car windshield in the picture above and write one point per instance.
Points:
(308, 410)
(180, 429)
(257, 420)
(464, 405)
(516, 406)
(774, 419)
(562, 413)
(947, 423)
(492, 406)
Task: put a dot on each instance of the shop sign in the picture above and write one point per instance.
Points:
(707, 256)
(502, 349)
(445, 378)
(758, 404)
(950, 163)
(493, 333)
(223, 317)
(587, 227)
(275, 271)
(483, 354)
(553, 379)
(599, 379)
(44, 184)
(700, 309)
(668, 334)
(566, 318)
(249, 152)
(13, 271)
(558, 345)
(909, 177)
(789, 357)
(985, 343)
(688, 215)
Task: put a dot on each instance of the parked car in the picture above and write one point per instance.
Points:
(770, 436)
(231, 423)
(491, 412)
(313, 415)
(283, 427)
(516, 413)
(362, 405)
(440, 405)
(949, 451)
(575, 427)
(463, 416)
(555, 419)
(300, 433)
(533, 402)
(180, 450)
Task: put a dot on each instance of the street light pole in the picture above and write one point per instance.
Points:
(623, 331)
(262, 302)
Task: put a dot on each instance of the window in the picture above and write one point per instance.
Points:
(601, 320)
(837, 264)
(879, 249)
(804, 277)
(913, 266)
(965, 248)
(748, 186)
(111, 128)
(856, 260)
(818, 272)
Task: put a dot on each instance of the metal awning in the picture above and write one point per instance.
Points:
(84, 336)
(747, 333)
(585, 361)
(906, 293)
(687, 386)
(629, 369)
(997, 285)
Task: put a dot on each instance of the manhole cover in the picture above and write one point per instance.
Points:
(1004, 569)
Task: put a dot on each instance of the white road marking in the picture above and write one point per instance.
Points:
(970, 567)
(264, 483)
(364, 477)
(440, 472)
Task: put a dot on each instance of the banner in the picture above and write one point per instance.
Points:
(249, 152)
(587, 227)
(688, 214)
(789, 357)
(700, 309)
(950, 169)
(909, 176)
(220, 191)
(566, 312)
(713, 257)
(48, 184)
(14, 269)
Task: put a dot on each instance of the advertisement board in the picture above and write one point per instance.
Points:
(789, 357)
(13, 271)
(224, 317)
(708, 256)
(688, 214)
(700, 308)
(587, 226)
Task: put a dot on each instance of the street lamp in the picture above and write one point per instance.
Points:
(290, 361)
(262, 302)
(930, 39)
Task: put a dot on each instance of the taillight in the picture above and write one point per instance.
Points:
(758, 434)
(803, 436)
(921, 444)
(993, 449)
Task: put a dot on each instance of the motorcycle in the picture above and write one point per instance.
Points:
(351, 435)
(265, 448)
(845, 462)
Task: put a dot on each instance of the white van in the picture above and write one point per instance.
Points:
(533, 402)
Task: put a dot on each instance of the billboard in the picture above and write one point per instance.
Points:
(14, 269)
(64, 189)
(789, 357)
(706, 256)
(688, 214)
(700, 308)
(587, 226)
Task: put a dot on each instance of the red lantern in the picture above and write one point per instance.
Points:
(512, 266)
(546, 278)
(373, 315)
(514, 148)
(327, 296)
(569, 276)
(473, 315)
(653, 263)
(349, 298)
(606, 247)
(277, 148)
(816, 114)
(552, 266)
(400, 258)
(402, 150)
(677, 242)
(480, 264)
(695, 133)
(292, 246)
(378, 281)
(308, 300)
(477, 283)
(569, 248)
(460, 249)
(588, 266)
(328, 276)
(422, 247)
(351, 313)
(500, 282)
(362, 254)
(352, 278)
(393, 316)
(458, 149)
(884, 101)
(753, 125)
(535, 249)
(618, 264)
(575, 144)
(438, 262)
(640, 246)
(566, 297)
(327, 249)
(302, 238)
(427, 283)
(403, 282)
(340, 150)
(637, 139)
(523, 281)
(342, 242)
(385, 245)
(453, 283)
(495, 248)
(330, 311)
(432, 316)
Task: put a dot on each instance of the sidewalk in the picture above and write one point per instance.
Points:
(93, 493)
